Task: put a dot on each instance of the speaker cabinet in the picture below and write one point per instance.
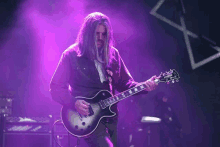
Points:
(27, 140)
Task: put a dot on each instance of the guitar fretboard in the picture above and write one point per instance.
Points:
(118, 97)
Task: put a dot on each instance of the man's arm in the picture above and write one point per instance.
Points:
(60, 82)
(125, 80)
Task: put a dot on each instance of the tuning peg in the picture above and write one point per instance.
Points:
(177, 80)
(173, 81)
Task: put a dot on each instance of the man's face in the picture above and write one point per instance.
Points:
(100, 35)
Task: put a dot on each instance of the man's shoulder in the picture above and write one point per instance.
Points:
(115, 52)
(71, 50)
(114, 49)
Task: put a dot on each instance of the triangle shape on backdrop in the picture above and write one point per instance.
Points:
(204, 55)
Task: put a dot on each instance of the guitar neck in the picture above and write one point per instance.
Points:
(118, 97)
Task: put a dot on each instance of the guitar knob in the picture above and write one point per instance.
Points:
(173, 81)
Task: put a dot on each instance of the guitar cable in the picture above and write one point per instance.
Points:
(54, 138)
(53, 131)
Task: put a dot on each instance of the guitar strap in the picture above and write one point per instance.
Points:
(109, 75)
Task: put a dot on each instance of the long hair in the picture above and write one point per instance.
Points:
(86, 38)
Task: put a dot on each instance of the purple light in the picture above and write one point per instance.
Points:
(109, 142)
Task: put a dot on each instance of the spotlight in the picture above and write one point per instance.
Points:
(149, 119)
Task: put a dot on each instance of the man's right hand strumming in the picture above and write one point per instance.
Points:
(82, 107)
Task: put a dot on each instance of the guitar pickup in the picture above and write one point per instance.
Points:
(91, 112)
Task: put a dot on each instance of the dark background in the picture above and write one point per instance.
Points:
(156, 47)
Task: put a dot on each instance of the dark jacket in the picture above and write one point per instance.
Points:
(78, 76)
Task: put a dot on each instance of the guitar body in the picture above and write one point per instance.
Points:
(79, 125)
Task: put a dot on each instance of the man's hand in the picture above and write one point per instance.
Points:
(82, 107)
(151, 85)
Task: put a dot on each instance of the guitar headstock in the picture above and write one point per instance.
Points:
(169, 76)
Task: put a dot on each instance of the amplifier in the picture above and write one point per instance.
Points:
(6, 106)
(27, 140)
(6, 98)
(27, 132)
(6, 102)
(28, 124)
(29, 119)
(5, 110)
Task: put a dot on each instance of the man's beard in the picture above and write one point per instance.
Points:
(100, 53)
(101, 43)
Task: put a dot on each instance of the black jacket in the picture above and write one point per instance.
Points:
(78, 76)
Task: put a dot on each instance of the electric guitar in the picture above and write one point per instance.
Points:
(100, 107)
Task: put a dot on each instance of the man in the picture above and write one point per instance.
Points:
(89, 65)
(170, 126)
